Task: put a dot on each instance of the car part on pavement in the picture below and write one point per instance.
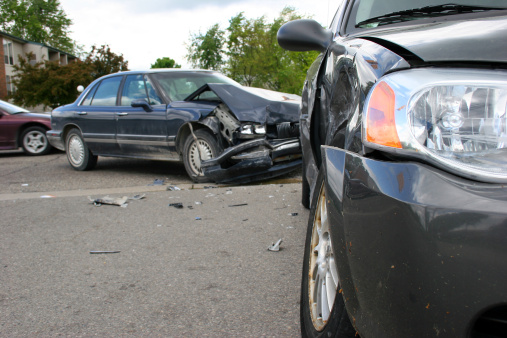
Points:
(275, 246)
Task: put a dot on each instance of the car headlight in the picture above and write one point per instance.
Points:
(455, 119)
(251, 129)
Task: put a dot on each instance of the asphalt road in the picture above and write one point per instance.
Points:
(202, 270)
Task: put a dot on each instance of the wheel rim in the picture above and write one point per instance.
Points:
(75, 150)
(35, 142)
(195, 158)
(323, 275)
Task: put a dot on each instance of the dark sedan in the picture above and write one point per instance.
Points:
(403, 133)
(21, 128)
(222, 131)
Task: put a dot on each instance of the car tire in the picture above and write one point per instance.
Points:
(320, 282)
(35, 142)
(192, 157)
(305, 189)
(78, 154)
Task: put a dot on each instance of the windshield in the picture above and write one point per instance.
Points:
(12, 109)
(369, 9)
(179, 85)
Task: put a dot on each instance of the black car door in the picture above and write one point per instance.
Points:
(96, 117)
(142, 132)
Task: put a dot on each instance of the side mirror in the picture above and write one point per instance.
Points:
(143, 104)
(304, 35)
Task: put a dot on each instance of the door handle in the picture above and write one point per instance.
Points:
(122, 114)
(82, 113)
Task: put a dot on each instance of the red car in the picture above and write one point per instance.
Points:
(21, 128)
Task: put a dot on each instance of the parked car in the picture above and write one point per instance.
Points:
(21, 128)
(403, 133)
(222, 131)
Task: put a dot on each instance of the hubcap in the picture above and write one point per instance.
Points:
(75, 150)
(323, 275)
(35, 142)
(195, 158)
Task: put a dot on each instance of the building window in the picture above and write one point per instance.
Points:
(10, 86)
(8, 54)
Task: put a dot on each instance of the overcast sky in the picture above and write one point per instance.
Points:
(144, 30)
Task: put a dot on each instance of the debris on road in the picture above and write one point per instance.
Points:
(176, 205)
(173, 188)
(293, 214)
(120, 201)
(238, 205)
(198, 218)
(47, 196)
(103, 252)
(275, 246)
(157, 182)
(137, 197)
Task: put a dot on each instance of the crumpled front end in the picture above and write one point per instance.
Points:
(258, 131)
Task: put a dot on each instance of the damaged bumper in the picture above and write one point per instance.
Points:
(254, 160)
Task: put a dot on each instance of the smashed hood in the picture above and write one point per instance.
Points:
(451, 40)
(255, 104)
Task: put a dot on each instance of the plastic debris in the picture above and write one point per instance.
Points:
(104, 252)
(176, 205)
(198, 203)
(24, 185)
(228, 192)
(275, 246)
(293, 214)
(198, 218)
(47, 196)
(157, 182)
(120, 201)
(238, 205)
(173, 188)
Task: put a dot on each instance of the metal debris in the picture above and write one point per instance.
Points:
(104, 252)
(293, 214)
(176, 205)
(137, 197)
(238, 205)
(173, 188)
(275, 246)
(109, 200)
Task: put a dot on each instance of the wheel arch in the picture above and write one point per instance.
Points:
(66, 130)
(185, 131)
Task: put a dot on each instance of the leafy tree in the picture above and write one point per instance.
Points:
(105, 62)
(52, 85)
(40, 21)
(206, 51)
(165, 62)
(250, 54)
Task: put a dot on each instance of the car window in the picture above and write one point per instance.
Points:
(133, 89)
(107, 92)
(153, 97)
(179, 86)
(88, 99)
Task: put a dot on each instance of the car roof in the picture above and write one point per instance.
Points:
(161, 70)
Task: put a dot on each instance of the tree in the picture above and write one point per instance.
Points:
(40, 21)
(249, 53)
(206, 51)
(165, 62)
(52, 85)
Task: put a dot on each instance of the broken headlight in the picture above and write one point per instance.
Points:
(455, 119)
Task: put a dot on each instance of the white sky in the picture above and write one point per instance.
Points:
(146, 30)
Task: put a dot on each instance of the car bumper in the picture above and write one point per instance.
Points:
(420, 252)
(254, 160)
(55, 139)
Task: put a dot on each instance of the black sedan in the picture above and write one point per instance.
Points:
(403, 133)
(222, 131)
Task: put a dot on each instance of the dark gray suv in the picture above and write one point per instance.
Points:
(403, 130)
